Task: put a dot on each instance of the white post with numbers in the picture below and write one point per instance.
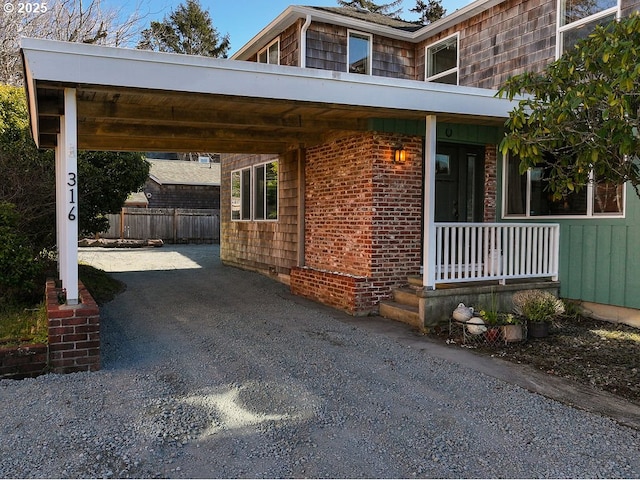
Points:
(67, 196)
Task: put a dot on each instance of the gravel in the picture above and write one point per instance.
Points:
(209, 371)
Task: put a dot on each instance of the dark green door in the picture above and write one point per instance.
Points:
(459, 183)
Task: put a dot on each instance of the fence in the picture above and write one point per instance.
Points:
(496, 251)
(172, 225)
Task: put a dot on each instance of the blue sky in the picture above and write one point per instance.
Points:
(242, 19)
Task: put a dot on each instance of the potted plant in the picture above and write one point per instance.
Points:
(539, 307)
(491, 318)
(512, 330)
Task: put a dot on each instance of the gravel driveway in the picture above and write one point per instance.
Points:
(210, 371)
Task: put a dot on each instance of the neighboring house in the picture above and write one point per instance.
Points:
(343, 219)
(183, 184)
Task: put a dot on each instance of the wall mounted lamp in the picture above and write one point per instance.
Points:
(399, 154)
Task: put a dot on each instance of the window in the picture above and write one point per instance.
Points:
(266, 192)
(254, 193)
(270, 54)
(527, 196)
(359, 53)
(442, 61)
(578, 18)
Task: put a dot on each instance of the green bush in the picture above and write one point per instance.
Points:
(18, 265)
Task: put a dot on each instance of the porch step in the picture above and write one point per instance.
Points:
(402, 313)
(406, 296)
(415, 281)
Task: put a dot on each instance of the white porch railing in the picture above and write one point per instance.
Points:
(469, 252)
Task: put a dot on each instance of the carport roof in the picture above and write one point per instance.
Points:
(148, 101)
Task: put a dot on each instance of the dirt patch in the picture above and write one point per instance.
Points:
(592, 352)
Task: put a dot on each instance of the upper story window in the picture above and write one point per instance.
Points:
(359, 48)
(442, 61)
(270, 54)
(578, 18)
(254, 192)
(527, 196)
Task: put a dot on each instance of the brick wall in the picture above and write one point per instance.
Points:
(490, 182)
(23, 361)
(74, 332)
(362, 220)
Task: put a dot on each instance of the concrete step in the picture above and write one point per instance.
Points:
(406, 296)
(401, 313)
(415, 281)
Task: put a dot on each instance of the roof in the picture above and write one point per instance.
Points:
(364, 21)
(179, 172)
(375, 18)
(136, 100)
(136, 199)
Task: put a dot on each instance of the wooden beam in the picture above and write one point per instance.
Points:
(232, 114)
(158, 144)
(193, 134)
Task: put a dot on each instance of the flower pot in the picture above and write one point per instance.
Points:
(512, 333)
(538, 329)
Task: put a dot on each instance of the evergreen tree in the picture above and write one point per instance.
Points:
(429, 11)
(187, 30)
(373, 7)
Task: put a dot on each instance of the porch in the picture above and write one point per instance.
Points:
(477, 264)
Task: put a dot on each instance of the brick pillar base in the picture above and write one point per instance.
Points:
(345, 292)
(74, 332)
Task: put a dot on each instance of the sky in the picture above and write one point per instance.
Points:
(243, 19)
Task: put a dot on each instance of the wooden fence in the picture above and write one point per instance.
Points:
(172, 225)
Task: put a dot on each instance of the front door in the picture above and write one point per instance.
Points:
(459, 183)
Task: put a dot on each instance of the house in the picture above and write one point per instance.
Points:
(347, 218)
(369, 151)
(182, 184)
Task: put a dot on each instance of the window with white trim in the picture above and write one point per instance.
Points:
(271, 53)
(578, 18)
(359, 52)
(527, 195)
(254, 192)
(442, 61)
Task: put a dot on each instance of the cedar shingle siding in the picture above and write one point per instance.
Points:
(263, 246)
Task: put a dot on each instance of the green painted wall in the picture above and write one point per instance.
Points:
(447, 132)
(599, 257)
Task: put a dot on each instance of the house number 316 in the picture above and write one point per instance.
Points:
(72, 182)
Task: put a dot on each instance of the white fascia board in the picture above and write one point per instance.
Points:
(293, 13)
(80, 64)
(155, 179)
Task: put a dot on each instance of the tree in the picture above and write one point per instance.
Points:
(105, 178)
(187, 30)
(105, 181)
(80, 21)
(429, 11)
(579, 118)
(373, 7)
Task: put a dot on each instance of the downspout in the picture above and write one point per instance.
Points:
(303, 42)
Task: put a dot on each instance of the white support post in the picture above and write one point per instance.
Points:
(429, 240)
(67, 197)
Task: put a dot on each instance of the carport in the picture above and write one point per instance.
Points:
(102, 98)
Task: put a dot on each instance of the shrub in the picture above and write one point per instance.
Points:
(18, 266)
(537, 305)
